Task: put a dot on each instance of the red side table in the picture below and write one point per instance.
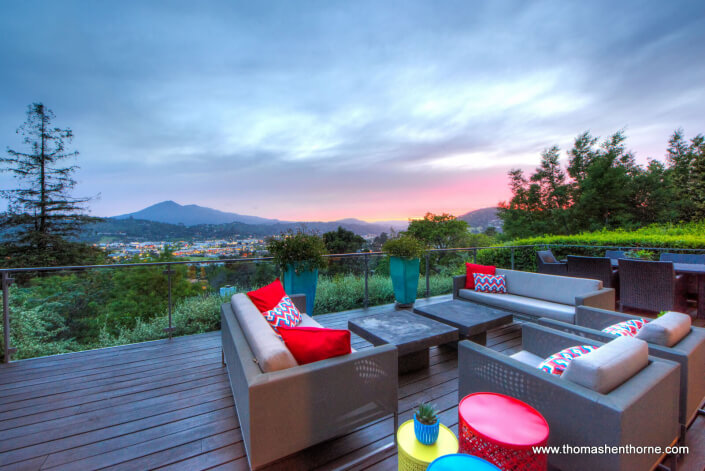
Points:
(502, 430)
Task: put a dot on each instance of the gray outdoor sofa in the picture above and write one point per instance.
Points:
(689, 352)
(642, 411)
(539, 295)
(291, 407)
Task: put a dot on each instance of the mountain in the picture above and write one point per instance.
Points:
(481, 219)
(191, 215)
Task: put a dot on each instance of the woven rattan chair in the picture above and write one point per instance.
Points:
(596, 268)
(641, 412)
(692, 286)
(650, 286)
(547, 263)
(689, 353)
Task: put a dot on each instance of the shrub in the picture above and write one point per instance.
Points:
(404, 246)
(304, 251)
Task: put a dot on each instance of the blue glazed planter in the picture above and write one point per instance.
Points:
(426, 434)
(405, 278)
(304, 282)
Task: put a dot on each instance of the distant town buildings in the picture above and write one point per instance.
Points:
(185, 249)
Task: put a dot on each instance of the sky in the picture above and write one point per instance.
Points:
(322, 110)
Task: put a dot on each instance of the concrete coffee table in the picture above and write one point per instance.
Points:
(472, 320)
(411, 334)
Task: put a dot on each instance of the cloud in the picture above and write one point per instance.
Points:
(361, 109)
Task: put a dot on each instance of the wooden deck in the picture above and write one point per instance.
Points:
(168, 405)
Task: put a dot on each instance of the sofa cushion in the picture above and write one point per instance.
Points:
(667, 330)
(267, 297)
(310, 344)
(472, 268)
(308, 321)
(610, 365)
(268, 348)
(557, 363)
(557, 289)
(283, 314)
(522, 304)
(527, 358)
(490, 283)
(628, 328)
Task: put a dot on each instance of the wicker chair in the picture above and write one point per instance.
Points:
(692, 288)
(650, 286)
(548, 265)
(689, 353)
(615, 254)
(643, 411)
(596, 268)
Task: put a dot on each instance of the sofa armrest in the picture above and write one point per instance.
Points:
(544, 341)
(603, 298)
(320, 400)
(458, 284)
(586, 332)
(598, 319)
(299, 301)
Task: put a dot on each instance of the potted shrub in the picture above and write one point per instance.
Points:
(299, 256)
(404, 262)
(426, 424)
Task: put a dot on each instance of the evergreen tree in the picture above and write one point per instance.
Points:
(42, 215)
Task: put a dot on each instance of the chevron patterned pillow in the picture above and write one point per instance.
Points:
(557, 363)
(284, 313)
(490, 283)
(625, 329)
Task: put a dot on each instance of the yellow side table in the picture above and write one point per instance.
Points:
(414, 455)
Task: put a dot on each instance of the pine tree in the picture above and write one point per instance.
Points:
(42, 215)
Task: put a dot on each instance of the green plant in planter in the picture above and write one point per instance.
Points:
(299, 255)
(404, 253)
(427, 414)
(404, 246)
(304, 251)
(426, 424)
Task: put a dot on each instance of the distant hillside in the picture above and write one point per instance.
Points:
(191, 215)
(140, 229)
(481, 219)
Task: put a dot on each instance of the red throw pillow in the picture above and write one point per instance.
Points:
(472, 268)
(267, 297)
(309, 344)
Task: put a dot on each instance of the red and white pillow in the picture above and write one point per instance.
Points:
(490, 283)
(557, 363)
(472, 268)
(625, 329)
(283, 314)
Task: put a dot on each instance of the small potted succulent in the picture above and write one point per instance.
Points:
(426, 424)
(299, 256)
(405, 254)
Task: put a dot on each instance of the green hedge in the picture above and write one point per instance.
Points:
(674, 237)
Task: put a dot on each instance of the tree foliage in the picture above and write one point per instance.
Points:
(342, 241)
(603, 187)
(42, 215)
(439, 231)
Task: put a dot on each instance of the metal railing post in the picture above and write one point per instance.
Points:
(168, 272)
(366, 298)
(474, 255)
(6, 282)
(428, 274)
(512, 258)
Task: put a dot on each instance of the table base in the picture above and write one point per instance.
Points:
(413, 361)
(517, 459)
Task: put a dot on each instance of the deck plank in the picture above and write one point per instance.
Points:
(167, 405)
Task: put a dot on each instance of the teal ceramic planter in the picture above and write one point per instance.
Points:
(405, 279)
(304, 282)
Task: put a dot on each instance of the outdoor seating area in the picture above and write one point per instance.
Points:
(169, 403)
(674, 282)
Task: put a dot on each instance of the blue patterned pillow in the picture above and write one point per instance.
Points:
(557, 363)
(626, 329)
(489, 283)
(284, 313)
